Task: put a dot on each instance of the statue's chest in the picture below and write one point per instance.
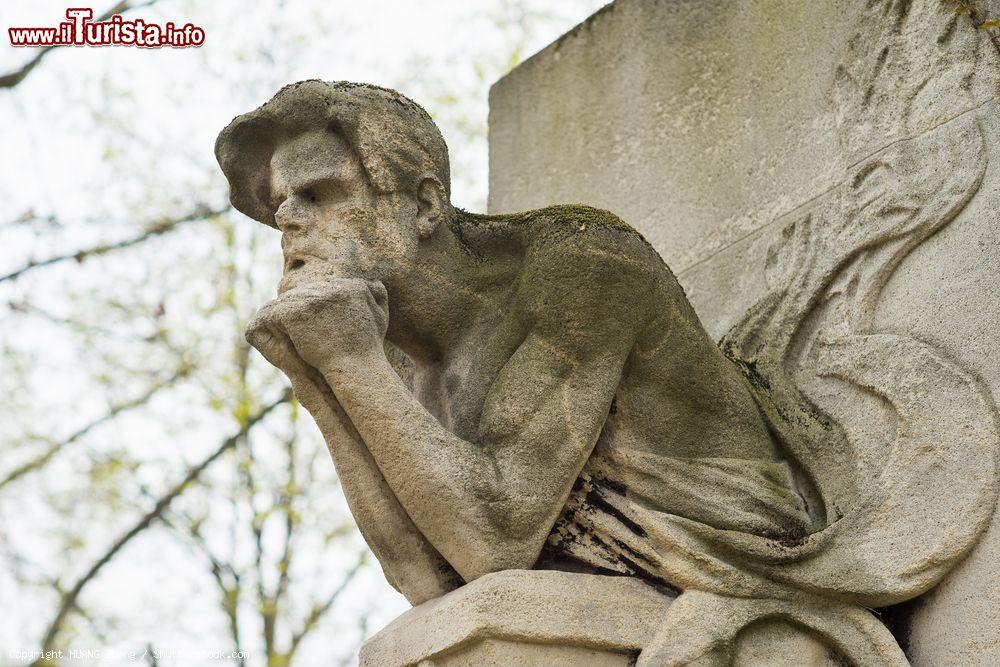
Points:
(456, 391)
(454, 397)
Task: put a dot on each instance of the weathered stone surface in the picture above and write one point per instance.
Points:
(698, 122)
(521, 617)
(845, 152)
(527, 402)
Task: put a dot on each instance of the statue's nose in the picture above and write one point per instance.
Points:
(289, 215)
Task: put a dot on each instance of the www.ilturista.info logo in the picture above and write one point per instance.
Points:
(79, 30)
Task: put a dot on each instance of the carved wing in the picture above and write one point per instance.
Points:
(890, 518)
(887, 532)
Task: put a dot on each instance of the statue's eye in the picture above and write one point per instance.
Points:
(311, 196)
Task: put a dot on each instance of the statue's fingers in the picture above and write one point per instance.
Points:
(379, 293)
(292, 361)
(378, 302)
(265, 342)
(306, 381)
(256, 332)
(265, 335)
(267, 314)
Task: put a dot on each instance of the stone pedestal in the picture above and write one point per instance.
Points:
(520, 617)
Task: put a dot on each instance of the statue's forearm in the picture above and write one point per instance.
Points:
(443, 481)
(409, 561)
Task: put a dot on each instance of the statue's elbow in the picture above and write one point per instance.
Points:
(503, 532)
(512, 540)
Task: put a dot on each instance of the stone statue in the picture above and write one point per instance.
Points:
(534, 391)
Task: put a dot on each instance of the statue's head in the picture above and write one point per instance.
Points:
(355, 177)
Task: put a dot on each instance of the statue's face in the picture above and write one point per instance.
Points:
(332, 222)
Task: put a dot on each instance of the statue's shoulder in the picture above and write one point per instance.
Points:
(587, 236)
(578, 258)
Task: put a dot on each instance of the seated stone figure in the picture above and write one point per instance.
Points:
(534, 391)
(562, 387)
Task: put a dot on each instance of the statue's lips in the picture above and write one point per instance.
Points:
(296, 259)
(303, 266)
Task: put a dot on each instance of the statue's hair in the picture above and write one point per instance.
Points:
(395, 139)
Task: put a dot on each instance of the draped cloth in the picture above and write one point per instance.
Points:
(622, 494)
(734, 537)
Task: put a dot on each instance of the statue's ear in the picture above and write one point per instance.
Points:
(432, 206)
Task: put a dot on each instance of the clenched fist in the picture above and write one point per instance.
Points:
(327, 322)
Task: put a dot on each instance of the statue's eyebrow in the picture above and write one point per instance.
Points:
(278, 197)
(318, 181)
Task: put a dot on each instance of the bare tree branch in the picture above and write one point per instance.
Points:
(229, 588)
(319, 610)
(156, 229)
(70, 598)
(266, 604)
(285, 498)
(42, 459)
(269, 602)
(30, 218)
(15, 77)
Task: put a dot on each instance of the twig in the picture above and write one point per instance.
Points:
(969, 8)
(319, 610)
(156, 229)
(69, 599)
(46, 456)
(219, 570)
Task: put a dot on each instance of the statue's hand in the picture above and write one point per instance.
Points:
(272, 343)
(327, 322)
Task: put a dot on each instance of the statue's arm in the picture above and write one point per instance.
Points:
(486, 505)
(408, 560)
(489, 505)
